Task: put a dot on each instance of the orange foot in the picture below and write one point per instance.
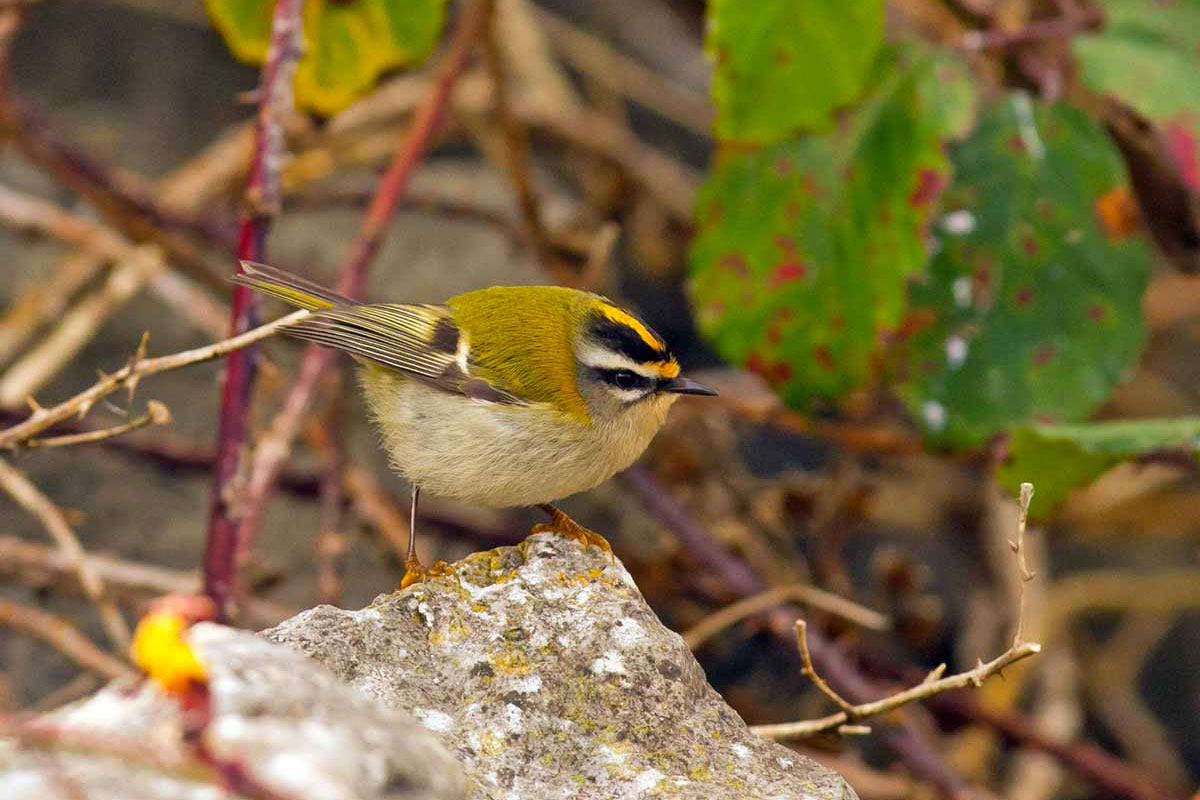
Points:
(563, 525)
(415, 572)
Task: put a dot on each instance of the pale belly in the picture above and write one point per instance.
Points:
(495, 455)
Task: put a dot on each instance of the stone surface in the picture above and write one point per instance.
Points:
(542, 668)
(298, 730)
(535, 672)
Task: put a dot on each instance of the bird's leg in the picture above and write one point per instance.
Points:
(563, 525)
(414, 570)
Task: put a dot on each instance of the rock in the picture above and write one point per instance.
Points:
(542, 668)
(285, 719)
(537, 671)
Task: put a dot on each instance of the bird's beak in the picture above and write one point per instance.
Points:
(685, 386)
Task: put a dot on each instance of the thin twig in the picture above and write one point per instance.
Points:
(262, 202)
(275, 445)
(1023, 574)
(933, 684)
(156, 414)
(77, 327)
(1059, 28)
(63, 637)
(734, 613)
(38, 566)
(328, 439)
(515, 137)
(852, 713)
(30, 498)
(622, 74)
(130, 375)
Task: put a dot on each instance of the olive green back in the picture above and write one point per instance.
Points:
(522, 338)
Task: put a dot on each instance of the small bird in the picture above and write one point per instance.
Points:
(505, 396)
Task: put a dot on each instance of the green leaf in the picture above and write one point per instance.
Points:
(1059, 458)
(1148, 56)
(802, 249)
(786, 65)
(348, 43)
(1032, 310)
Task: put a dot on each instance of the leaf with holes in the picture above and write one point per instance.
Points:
(803, 249)
(1148, 56)
(1059, 458)
(786, 65)
(1033, 305)
(348, 43)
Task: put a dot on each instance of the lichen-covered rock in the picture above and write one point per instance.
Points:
(542, 668)
(297, 730)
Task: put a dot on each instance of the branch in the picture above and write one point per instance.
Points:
(734, 613)
(156, 414)
(38, 566)
(262, 200)
(40, 507)
(63, 637)
(932, 685)
(275, 444)
(621, 74)
(852, 713)
(130, 375)
(515, 138)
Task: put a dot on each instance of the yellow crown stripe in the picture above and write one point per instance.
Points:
(624, 318)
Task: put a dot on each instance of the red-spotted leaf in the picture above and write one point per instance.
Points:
(787, 65)
(348, 43)
(1148, 56)
(803, 249)
(1033, 303)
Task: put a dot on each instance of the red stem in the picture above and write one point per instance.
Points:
(276, 446)
(262, 197)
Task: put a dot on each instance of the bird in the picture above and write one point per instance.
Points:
(500, 397)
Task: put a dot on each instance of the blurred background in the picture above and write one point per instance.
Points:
(927, 249)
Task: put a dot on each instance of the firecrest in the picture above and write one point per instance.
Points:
(506, 396)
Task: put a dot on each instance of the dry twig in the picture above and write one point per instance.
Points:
(933, 684)
(38, 566)
(63, 637)
(43, 509)
(130, 375)
(156, 414)
(734, 613)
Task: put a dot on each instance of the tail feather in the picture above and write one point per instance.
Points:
(290, 288)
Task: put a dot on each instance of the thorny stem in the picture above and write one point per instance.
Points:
(262, 201)
(275, 445)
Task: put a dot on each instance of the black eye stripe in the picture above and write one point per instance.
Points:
(624, 379)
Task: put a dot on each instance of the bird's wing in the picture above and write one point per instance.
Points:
(420, 340)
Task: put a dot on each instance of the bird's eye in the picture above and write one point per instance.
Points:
(626, 379)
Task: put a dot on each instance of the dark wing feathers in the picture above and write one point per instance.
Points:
(419, 340)
(396, 336)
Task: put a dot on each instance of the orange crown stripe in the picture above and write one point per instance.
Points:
(624, 318)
